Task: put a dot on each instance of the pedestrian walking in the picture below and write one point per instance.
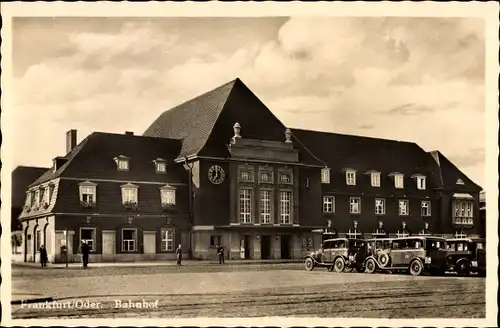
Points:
(179, 254)
(84, 249)
(220, 253)
(43, 256)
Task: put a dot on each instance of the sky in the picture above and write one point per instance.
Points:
(412, 79)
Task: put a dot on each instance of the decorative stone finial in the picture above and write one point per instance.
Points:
(237, 130)
(426, 225)
(355, 224)
(329, 223)
(403, 224)
(288, 136)
(380, 224)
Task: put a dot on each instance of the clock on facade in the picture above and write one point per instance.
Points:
(216, 174)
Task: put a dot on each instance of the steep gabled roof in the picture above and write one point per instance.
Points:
(22, 177)
(449, 173)
(205, 123)
(94, 157)
(192, 121)
(364, 154)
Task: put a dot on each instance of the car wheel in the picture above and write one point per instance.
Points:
(383, 259)
(309, 264)
(339, 265)
(463, 268)
(416, 268)
(370, 266)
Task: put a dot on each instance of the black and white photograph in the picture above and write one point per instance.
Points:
(251, 164)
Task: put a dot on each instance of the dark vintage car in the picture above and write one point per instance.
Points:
(415, 255)
(339, 255)
(465, 256)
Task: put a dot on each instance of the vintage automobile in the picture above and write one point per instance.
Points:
(465, 256)
(339, 255)
(416, 255)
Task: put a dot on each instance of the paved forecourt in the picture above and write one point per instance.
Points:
(277, 290)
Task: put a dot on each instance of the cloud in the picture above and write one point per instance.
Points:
(425, 75)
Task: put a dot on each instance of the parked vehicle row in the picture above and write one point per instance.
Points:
(415, 254)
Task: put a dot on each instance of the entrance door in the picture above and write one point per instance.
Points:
(247, 247)
(149, 242)
(265, 247)
(285, 246)
(108, 244)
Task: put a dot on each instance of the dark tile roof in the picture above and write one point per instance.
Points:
(193, 121)
(94, 157)
(205, 123)
(449, 174)
(363, 154)
(22, 177)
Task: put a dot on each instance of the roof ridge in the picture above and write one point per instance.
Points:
(354, 135)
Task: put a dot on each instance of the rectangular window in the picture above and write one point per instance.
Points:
(379, 206)
(129, 240)
(265, 206)
(87, 235)
(468, 210)
(246, 176)
(215, 240)
(129, 195)
(266, 177)
(285, 178)
(161, 167)
(328, 204)
(286, 207)
(123, 164)
(37, 197)
(421, 183)
(426, 208)
(167, 240)
(403, 207)
(355, 205)
(350, 178)
(245, 205)
(325, 175)
(47, 195)
(28, 199)
(168, 196)
(399, 181)
(375, 179)
(87, 194)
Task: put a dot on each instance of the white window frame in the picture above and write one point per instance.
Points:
(350, 177)
(93, 240)
(130, 193)
(245, 205)
(37, 197)
(168, 195)
(379, 206)
(47, 196)
(122, 163)
(375, 179)
(406, 211)
(325, 175)
(469, 210)
(426, 204)
(88, 188)
(285, 173)
(328, 204)
(355, 205)
(266, 206)
(286, 207)
(399, 181)
(269, 173)
(421, 183)
(127, 243)
(161, 167)
(248, 172)
(167, 239)
(28, 199)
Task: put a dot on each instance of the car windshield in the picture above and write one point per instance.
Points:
(435, 244)
(357, 243)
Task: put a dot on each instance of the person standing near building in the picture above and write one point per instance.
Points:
(43, 256)
(84, 249)
(220, 253)
(179, 254)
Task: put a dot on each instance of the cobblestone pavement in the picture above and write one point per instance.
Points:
(247, 291)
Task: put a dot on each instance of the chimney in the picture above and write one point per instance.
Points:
(129, 133)
(70, 140)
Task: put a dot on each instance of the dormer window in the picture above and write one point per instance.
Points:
(88, 195)
(160, 165)
(460, 182)
(122, 163)
(37, 197)
(325, 175)
(421, 183)
(375, 179)
(350, 177)
(399, 181)
(28, 198)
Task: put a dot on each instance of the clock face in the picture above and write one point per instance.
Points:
(216, 174)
